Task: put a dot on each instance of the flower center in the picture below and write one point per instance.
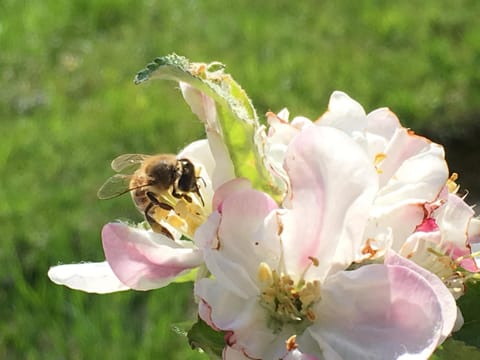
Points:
(436, 261)
(287, 302)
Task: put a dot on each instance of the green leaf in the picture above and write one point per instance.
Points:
(188, 277)
(470, 306)
(236, 116)
(182, 328)
(202, 336)
(453, 349)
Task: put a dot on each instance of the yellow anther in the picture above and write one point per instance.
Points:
(265, 273)
(451, 183)
(378, 159)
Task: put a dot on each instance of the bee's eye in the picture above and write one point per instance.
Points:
(187, 180)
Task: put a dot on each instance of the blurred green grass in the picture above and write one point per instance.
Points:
(68, 106)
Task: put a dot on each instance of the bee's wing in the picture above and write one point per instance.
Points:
(128, 163)
(117, 185)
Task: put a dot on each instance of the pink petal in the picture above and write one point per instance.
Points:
(233, 251)
(428, 225)
(467, 263)
(227, 189)
(333, 185)
(144, 260)
(379, 312)
(201, 104)
(445, 299)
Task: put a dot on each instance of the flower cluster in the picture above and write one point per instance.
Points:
(355, 245)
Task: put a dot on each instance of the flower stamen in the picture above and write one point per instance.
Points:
(445, 267)
(287, 302)
(291, 343)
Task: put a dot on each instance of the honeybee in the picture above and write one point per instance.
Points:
(152, 181)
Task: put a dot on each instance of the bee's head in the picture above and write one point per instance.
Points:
(187, 180)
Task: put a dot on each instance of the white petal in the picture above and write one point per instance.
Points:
(344, 113)
(476, 251)
(453, 219)
(474, 231)
(399, 220)
(230, 353)
(89, 277)
(333, 186)
(382, 122)
(244, 319)
(414, 168)
(224, 170)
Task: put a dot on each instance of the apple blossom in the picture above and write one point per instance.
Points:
(340, 238)
(416, 210)
(281, 285)
(411, 169)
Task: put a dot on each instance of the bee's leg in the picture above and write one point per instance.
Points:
(203, 181)
(177, 195)
(187, 197)
(154, 200)
(197, 190)
(156, 227)
(181, 196)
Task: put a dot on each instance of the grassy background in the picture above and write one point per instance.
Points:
(68, 106)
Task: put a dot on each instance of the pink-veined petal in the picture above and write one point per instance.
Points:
(231, 251)
(445, 298)
(378, 312)
(333, 185)
(89, 277)
(144, 260)
(227, 189)
(202, 105)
